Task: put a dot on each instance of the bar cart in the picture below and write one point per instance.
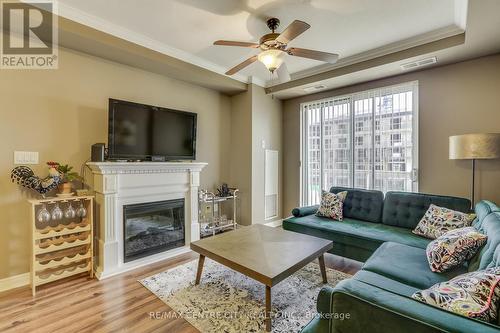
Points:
(211, 215)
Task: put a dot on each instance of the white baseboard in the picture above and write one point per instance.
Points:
(15, 281)
(276, 223)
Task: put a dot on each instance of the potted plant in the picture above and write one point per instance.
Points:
(67, 177)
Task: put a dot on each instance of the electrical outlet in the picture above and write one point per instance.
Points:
(25, 157)
(263, 144)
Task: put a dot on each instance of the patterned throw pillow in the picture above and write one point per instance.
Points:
(474, 295)
(438, 220)
(454, 248)
(332, 205)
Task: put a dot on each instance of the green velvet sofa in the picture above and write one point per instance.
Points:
(377, 230)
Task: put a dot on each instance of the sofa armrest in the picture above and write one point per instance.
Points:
(354, 306)
(304, 211)
(324, 303)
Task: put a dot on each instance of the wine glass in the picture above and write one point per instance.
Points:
(57, 213)
(43, 215)
(81, 211)
(70, 212)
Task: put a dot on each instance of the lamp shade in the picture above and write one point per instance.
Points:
(475, 146)
(272, 59)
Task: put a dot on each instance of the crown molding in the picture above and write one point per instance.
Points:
(119, 31)
(461, 10)
(95, 22)
(371, 62)
(429, 37)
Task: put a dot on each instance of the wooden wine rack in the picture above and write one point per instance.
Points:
(61, 250)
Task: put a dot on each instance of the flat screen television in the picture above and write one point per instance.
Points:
(145, 132)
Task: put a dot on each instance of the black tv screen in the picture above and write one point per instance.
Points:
(145, 132)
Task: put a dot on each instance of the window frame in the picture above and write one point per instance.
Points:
(351, 98)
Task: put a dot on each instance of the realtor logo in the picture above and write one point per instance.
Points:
(29, 35)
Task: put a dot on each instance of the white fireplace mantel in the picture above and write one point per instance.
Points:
(123, 183)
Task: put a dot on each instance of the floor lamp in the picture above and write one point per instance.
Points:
(474, 147)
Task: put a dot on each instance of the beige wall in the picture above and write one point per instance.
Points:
(241, 153)
(266, 126)
(454, 99)
(60, 113)
(255, 117)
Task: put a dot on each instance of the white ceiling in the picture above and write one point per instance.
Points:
(186, 29)
(482, 37)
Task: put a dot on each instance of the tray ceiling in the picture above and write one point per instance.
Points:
(186, 29)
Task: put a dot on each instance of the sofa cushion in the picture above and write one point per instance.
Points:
(375, 309)
(483, 208)
(361, 234)
(489, 256)
(360, 204)
(473, 295)
(406, 209)
(408, 265)
(383, 282)
(439, 220)
(454, 248)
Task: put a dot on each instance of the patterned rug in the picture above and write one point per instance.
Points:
(227, 301)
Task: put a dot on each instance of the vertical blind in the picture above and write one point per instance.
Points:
(365, 140)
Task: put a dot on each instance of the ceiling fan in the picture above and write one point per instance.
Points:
(273, 48)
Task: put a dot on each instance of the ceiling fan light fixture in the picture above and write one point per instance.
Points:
(274, 47)
(272, 59)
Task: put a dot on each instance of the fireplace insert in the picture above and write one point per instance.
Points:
(152, 227)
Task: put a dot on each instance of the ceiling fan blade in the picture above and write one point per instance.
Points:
(234, 43)
(292, 31)
(312, 54)
(283, 74)
(242, 65)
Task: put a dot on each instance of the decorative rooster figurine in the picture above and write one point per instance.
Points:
(24, 176)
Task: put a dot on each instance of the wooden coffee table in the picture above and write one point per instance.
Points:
(266, 254)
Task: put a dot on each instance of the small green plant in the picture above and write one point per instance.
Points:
(66, 174)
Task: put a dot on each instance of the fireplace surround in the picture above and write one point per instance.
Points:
(118, 185)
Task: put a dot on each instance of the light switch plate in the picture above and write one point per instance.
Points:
(25, 157)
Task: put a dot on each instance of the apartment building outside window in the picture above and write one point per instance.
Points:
(365, 140)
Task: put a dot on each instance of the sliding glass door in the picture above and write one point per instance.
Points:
(366, 140)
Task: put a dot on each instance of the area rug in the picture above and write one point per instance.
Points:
(227, 301)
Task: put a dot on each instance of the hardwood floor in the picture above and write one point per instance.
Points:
(116, 304)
